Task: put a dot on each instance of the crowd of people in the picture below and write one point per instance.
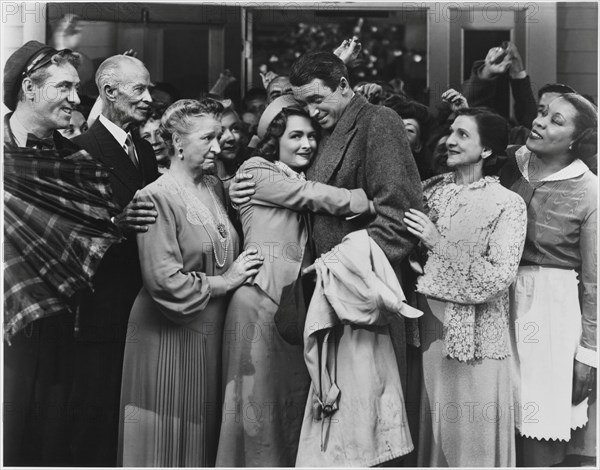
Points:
(325, 274)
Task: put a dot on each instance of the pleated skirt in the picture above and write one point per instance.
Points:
(170, 395)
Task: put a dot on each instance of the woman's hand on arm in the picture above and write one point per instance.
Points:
(244, 267)
(421, 227)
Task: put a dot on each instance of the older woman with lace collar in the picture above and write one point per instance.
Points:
(473, 234)
(170, 389)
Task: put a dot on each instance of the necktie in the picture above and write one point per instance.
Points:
(131, 151)
(35, 142)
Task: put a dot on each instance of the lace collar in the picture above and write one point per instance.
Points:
(450, 178)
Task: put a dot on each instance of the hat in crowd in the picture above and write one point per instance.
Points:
(19, 64)
(284, 101)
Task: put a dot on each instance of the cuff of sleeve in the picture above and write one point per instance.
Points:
(520, 75)
(218, 285)
(587, 356)
(359, 203)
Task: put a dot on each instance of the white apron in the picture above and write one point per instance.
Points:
(546, 316)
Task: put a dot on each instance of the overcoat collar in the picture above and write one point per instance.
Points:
(333, 146)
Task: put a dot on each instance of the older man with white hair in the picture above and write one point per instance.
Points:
(123, 82)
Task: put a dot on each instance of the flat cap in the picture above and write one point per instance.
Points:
(17, 64)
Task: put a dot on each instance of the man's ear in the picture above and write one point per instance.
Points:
(344, 85)
(486, 153)
(110, 92)
(418, 147)
(27, 87)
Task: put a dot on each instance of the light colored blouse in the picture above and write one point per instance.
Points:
(482, 227)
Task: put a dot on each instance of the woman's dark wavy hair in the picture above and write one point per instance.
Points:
(585, 144)
(493, 134)
(268, 147)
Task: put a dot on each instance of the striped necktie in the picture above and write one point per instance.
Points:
(131, 151)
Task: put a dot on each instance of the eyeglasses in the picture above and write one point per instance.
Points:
(43, 60)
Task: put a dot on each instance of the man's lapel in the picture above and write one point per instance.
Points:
(113, 155)
(333, 148)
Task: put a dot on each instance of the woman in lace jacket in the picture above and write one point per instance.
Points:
(265, 379)
(474, 234)
(170, 395)
(554, 300)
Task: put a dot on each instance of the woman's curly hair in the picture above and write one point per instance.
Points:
(268, 147)
(179, 117)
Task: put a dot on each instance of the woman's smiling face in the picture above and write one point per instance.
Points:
(298, 144)
(553, 129)
(464, 143)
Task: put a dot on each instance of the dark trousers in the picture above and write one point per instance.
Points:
(37, 378)
(95, 398)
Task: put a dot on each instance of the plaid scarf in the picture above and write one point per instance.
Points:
(57, 209)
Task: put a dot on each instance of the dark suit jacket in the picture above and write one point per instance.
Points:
(104, 313)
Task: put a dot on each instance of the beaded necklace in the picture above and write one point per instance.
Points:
(199, 214)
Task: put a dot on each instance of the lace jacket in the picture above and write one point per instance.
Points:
(482, 227)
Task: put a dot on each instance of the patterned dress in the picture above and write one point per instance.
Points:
(466, 403)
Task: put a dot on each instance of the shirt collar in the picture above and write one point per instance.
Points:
(18, 130)
(573, 170)
(119, 134)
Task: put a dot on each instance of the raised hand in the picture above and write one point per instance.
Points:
(348, 50)
(497, 62)
(267, 76)
(455, 99)
(517, 68)
(225, 79)
(371, 91)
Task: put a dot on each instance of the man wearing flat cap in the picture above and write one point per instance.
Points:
(40, 85)
(123, 82)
